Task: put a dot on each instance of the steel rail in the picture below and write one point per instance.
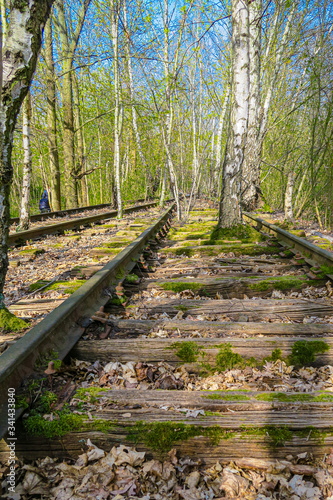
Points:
(30, 234)
(69, 211)
(311, 253)
(63, 327)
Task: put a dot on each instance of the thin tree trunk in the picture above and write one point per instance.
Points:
(52, 120)
(170, 107)
(68, 50)
(288, 199)
(250, 180)
(3, 18)
(80, 163)
(117, 118)
(230, 209)
(252, 174)
(24, 37)
(217, 169)
(163, 188)
(131, 92)
(27, 165)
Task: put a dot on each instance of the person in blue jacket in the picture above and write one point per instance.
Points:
(44, 205)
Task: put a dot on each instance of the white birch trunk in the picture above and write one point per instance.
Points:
(3, 18)
(217, 170)
(230, 209)
(252, 173)
(170, 111)
(131, 92)
(288, 199)
(251, 170)
(20, 55)
(27, 165)
(117, 118)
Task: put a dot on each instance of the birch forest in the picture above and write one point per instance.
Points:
(123, 100)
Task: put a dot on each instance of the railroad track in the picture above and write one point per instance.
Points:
(68, 212)
(17, 238)
(219, 348)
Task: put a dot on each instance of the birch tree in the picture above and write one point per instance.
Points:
(250, 172)
(20, 54)
(27, 164)
(137, 136)
(52, 119)
(230, 209)
(258, 123)
(114, 7)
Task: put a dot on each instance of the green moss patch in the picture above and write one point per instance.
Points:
(63, 286)
(242, 232)
(227, 397)
(32, 251)
(163, 435)
(304, 352)
(279, 283)
(116, 244)
(226, 359)
(90, 394)
(37, 285)
(178, 286)
(187, 351)
(131, 278)
(64, 423)
(10, 323)
(214, 250)
(291, 398)
(105, 251)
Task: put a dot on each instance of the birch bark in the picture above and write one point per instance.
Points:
(27, 165)
(252, 190)
(117, 113)
(250, 172)
(52, 119)
(22, 44)
(288, 200)
(133, 109)
(230, 209)
(217, 169)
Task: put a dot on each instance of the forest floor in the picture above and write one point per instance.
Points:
(39, 275)
(121, 472)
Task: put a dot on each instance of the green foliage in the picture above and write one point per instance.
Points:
(65, 286)
(304, 352)
(21, 402)
(90, 394)
(117, 301)
(32, 251)
(278, 283)
(226, 359)
(227, 397)
(37, 285)
(10, 323)
(182, 308)
(187, 351)
(131, 278)
(244, 233)
(46, 402)
(285, 398)
(178, 286)
(276, 354)
(64, 422)
(163, 435)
